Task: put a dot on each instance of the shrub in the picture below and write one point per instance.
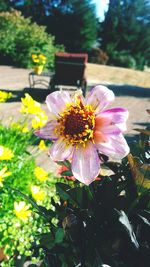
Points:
(106, 223)
(20, 38)
(140, 61)
(98, 221)
(18, 170)
(98, 56)
(122, 59)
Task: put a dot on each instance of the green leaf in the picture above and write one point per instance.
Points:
(63, 190)
(66, 173)
(124, 222)
(144, 220)
(47, 240)
(59, 235)
(41, 210)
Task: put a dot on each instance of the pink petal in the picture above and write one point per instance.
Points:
(110, 130)
(59, 151)
(116, 116)
(99, 137)
(110, 122)
(105, 133)
(85, 164)
(47, 132)
(57, 101)
(116, 147)
(99, 97)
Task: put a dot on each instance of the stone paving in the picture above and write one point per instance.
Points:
(135, 99)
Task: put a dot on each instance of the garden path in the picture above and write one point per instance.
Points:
(132, 90)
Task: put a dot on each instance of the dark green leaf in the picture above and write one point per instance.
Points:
(124, 221)
(66, 173)
(63, 191)
(59, 235)
(47, 240)
(144, 220)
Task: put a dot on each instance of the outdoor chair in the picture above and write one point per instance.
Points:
(69, 72)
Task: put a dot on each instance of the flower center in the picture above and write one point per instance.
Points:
(76, 124)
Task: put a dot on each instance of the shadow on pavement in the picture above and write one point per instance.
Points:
(39, 94)
(128, 90)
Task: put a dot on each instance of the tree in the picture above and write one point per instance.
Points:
(4, 5)
(74, 25)
(72, 22)
(127, 28)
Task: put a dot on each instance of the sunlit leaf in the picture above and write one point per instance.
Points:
(143, 131)
(123, 219)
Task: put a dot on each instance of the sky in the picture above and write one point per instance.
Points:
(102, 6)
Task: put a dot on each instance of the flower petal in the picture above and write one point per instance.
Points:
(104, 134)
(56, 102)
(116, 147)
(116, 116)
(111, 130)
(59, 151)
(99, 137)
(99, 97)
(85, 164)
(47, 132)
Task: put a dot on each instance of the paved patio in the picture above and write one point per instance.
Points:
(135, 99)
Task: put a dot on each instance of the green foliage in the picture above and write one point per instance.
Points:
(17, 237)
(4, 5)
(73, 23)
(127, 28)
(20, 38)
(107, 222)
(123, 59)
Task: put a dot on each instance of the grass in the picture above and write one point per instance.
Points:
(117, 75)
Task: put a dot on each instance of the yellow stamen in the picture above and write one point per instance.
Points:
(76, 124)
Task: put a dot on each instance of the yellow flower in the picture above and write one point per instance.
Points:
(29, 105)
(42, 145)
(38, 59)
(21, 210)
(4, 96)
(40, 174)
(34, 56)
(3, 174)
(18, 126)
(15, 125)
(37, 193)
(40, 120)
(25, 129)
(5, 153)
(42, 58)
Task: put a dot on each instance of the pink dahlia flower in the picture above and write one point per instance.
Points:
(81, 129)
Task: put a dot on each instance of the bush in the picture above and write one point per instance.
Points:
(19, 173)
(140, 61)
(98, 56)
(107, 222)
(122, 59)
(20, 38)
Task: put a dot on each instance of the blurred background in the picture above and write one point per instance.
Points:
(112, 32)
